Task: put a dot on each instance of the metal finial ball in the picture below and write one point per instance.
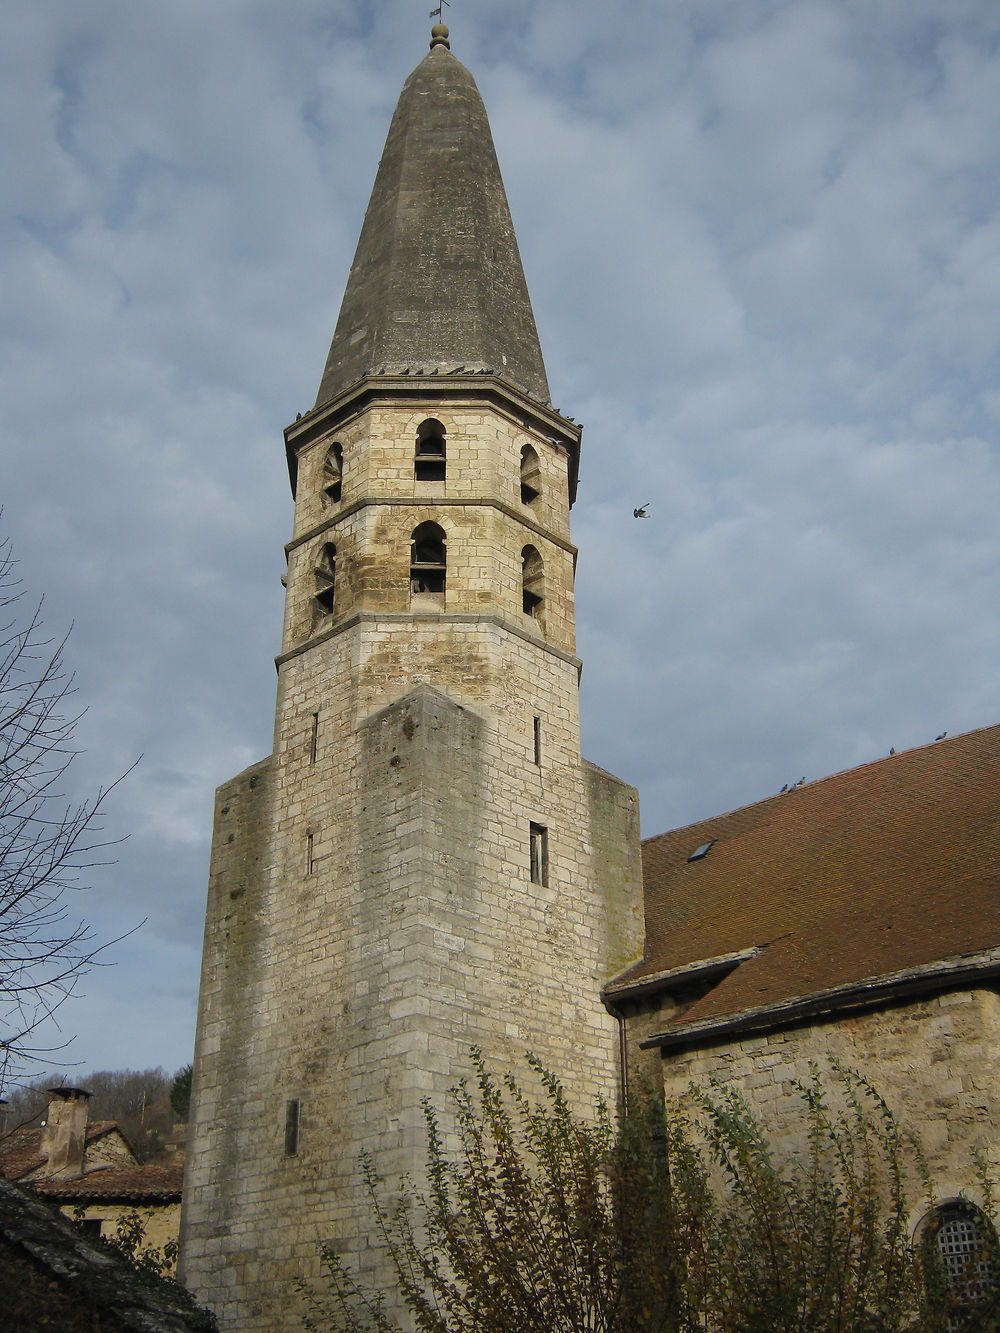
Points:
(439, 36)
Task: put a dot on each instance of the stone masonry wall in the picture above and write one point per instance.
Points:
(382, 503)
(232, 969)
(159, 1222)
(936, 1061)
(373, 914)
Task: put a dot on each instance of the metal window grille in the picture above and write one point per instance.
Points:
(967, 1252)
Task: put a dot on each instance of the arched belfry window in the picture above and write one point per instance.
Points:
(325, 575)
(531, 477)
(333, 473)
(965, 1247)
(427, 567)
(532, 583)
(430, 460)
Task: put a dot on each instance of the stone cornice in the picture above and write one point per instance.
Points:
(423, 618)
(469, 502)
(519, 408)
(957, 973)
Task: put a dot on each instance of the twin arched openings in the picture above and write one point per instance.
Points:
(428, 573)
(430, 463)
(428, 559)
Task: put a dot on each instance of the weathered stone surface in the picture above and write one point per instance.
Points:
(374, 908)
(373, 915)
(437, 282)
(934, 1060)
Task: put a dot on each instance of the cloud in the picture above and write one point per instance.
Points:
(762, 244)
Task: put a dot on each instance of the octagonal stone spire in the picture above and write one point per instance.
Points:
(436, 283)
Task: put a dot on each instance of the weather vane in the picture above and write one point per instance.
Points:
(439, 12)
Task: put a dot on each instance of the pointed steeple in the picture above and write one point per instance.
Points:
(436, 282)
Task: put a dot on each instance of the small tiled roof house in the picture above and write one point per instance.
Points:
(856, 917)
(90, 1170)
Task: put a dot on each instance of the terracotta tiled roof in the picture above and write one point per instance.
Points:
(133, 1183)
(888, 867)
(21, 1151)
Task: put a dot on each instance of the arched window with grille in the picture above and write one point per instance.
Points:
(964, 1244)
(430, 459)
(325, 576)
(531, 476)
(333, 474)
(428, 567)
(532, 583)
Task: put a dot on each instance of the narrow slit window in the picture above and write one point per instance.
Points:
(310, 854)
(531, 484)
(532, 583)
(325, 576)
(333, 474)
(536, 739)
(538, 847)
(428, 567)
(314, 738)
(293, 1120)
(430, 460)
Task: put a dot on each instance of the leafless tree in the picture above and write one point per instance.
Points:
(47, 841)
(138, 1100)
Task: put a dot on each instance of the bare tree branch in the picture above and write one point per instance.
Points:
(47, 842)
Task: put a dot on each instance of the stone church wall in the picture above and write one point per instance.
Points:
(936, 1061)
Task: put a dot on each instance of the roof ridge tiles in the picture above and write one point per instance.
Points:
(945, 742)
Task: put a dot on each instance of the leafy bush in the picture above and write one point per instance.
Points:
(660, 1220)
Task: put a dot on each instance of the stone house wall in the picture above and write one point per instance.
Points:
(935, 1060)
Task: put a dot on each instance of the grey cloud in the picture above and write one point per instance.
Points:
(761, 241)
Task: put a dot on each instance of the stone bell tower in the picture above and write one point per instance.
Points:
(424, 863)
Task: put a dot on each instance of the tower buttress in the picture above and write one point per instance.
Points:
(424, 863)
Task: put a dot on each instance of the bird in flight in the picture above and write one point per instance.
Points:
(641, 511)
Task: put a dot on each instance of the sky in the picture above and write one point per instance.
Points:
(762, 239)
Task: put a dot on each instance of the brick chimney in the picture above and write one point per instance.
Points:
(64, 1137)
